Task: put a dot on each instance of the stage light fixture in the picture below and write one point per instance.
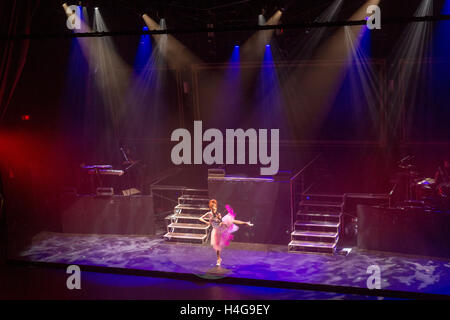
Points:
(162, 24)
(261, 20)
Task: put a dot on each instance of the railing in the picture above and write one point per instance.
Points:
(297, 186)
(166, 174)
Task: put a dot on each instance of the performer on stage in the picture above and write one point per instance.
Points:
(223, 228)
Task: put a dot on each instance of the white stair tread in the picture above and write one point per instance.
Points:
(195, 192)
(315, 234)
(194, 197)
(323, 195)
(189, 226)
(185, 216)
(311, 214)
(185, 235)
(317, 224)
(191, 207)
(296, 243)
(321, 204)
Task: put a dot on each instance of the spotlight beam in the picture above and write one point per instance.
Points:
(253, 48)
(110, 72)
(176, 54)
(413, 46)
(306, 48)
(319, 87)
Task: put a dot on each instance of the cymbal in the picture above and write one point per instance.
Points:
(427, 181)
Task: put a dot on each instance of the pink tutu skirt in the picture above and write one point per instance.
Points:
(221, 236)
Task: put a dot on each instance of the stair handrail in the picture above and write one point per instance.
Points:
(292, 182)
(164, 175)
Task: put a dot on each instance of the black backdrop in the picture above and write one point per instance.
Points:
(263, 202)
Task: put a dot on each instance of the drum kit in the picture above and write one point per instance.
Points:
(425, 190)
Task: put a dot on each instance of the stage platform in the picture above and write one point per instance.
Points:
(402, 276)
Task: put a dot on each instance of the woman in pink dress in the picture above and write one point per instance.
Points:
(223, 228)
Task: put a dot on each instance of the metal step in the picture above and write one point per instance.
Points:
(195, 192)
(318, 222)
(315, 234)
(329, 207)
(321, 197)
(312, 244)
(185, 216)
(185, 236)
(312, 247)
(326, 224)
(308, 216)
(188, 199)
(190, 207)
(325, 204)
(193, 226)
(194, 198)
(321, 226)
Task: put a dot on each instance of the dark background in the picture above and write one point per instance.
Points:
(70, 125)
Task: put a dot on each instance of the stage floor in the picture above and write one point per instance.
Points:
(241, 261)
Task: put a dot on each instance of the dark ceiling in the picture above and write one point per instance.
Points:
(123, 15)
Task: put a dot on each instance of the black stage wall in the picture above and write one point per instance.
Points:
(406, 231)
(108, 215)
(264, 202)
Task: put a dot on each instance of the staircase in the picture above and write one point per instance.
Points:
(184, 225)
(317, 225)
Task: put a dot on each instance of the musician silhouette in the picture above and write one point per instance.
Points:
(133, 169)
(127, 156)
(443, 173)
